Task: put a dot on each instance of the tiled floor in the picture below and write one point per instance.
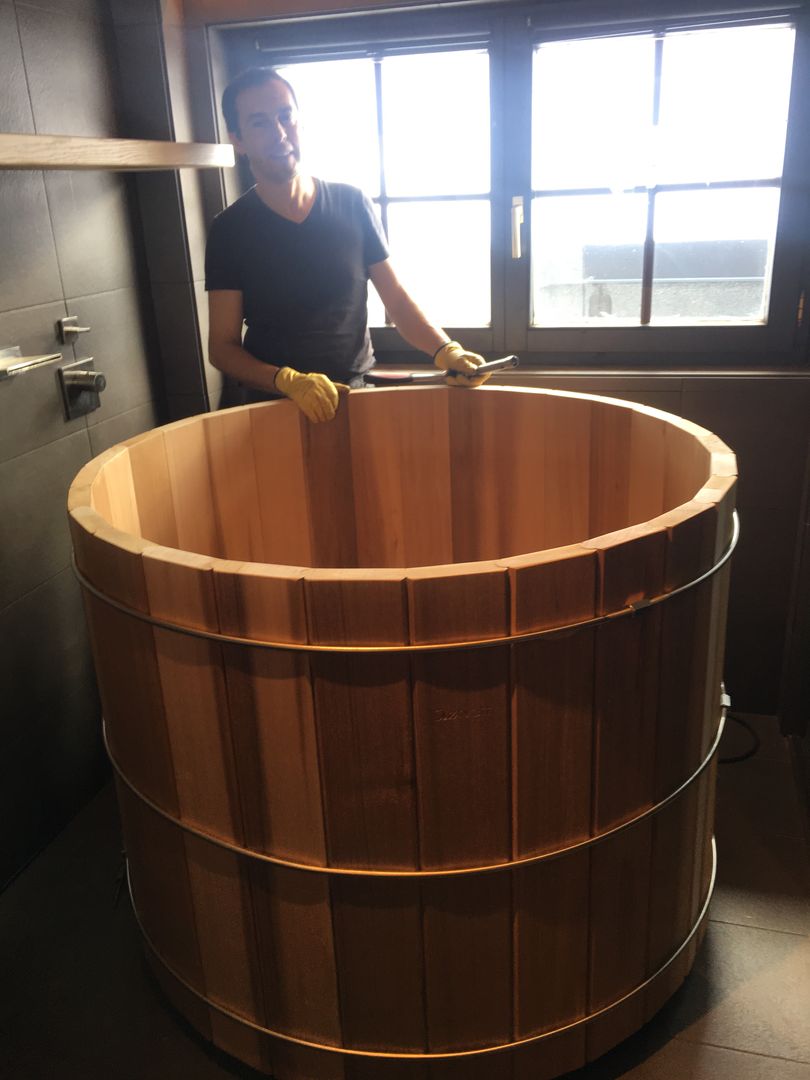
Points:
(76, 1002)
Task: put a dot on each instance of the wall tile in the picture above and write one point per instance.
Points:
(124, 426)
(92, 228)
(46, 658)
(15, 106)
(69, 75)
(33, 489)
(145, 112)
(118, 345)
(176, 318)
(75, 9)
(51, 719)
(29, 272)
(31, 412)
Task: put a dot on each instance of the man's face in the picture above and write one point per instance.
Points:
(268, 131)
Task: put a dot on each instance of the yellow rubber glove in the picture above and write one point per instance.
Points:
(315, 395)
(453, 357)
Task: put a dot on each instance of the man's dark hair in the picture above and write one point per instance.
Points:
(247, 80)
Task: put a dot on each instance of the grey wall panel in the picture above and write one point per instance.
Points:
(29, 272)
(92, 229)
(52, 759)
(69, 73)
(35, 539)
(15, 105)
(31, 413)
(123, 426)
(118, 344)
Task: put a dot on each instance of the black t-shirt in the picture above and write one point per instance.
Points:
(304, 286)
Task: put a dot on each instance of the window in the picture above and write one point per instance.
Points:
(646, 159)
(414, 118)
(656, 169)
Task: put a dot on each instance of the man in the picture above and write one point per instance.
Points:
(292, 258)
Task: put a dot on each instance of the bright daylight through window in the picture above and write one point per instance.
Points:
(433, 189)
(656, 168)
(655, 162)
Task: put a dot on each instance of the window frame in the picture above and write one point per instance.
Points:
(510, 32)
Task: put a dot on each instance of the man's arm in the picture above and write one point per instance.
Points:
(225, 350)
(405, 313)
(314, 394)
(420, 332)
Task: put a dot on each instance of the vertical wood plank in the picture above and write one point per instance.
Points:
(401, 471)
(270, 701)
(462, 722)
(468, 960)
(364, 722)
(231, 465)
(180, 589)
(278, 449)
(567, 454)
(191, 489)
(126, 658)
(497, 477)
(646, 467)
(330, 491)
(121, 501)
(551, 943)
(611, 428)
(461, 715)
(552, 700)
(153, 494)
(619, 918)
(378, 941)
(160, 886)
(296, 947)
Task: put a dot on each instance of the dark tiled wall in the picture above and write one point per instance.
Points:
(70, 246)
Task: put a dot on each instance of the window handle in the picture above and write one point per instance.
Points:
(517, 221)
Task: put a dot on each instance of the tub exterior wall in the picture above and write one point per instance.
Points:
(71, 246)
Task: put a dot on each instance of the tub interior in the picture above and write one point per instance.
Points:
(401, 478)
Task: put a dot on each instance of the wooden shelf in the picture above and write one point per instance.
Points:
(78, 152)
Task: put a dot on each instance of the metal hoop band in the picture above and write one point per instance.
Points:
(442, 646)
(530, 860)
(479, 1052)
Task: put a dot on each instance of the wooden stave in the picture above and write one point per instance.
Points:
(668, 971)
(602, 551)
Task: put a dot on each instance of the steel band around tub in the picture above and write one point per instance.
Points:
(441, 646)
(448, 1055)
(529, 860)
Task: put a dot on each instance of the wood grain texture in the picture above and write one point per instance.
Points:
(81, 152)
(564, 507)
(400, 459)
(270, 699)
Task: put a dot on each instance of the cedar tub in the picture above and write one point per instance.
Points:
(414, 718)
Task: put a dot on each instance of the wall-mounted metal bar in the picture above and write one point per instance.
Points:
(12, 363)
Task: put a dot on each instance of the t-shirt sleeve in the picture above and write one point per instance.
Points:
(375, 245)
(221, 267)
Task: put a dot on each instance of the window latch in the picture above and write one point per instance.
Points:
(517, 221)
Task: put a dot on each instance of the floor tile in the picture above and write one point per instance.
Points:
(681, 1060)
(749, 990)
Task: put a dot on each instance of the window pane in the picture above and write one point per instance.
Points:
(724, 100)
(436, 123)
(441, 253)
(713, 255)
(587, 255)
(592, 112)
(338, 142)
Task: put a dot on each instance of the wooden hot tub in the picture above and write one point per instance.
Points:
(384, 819)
